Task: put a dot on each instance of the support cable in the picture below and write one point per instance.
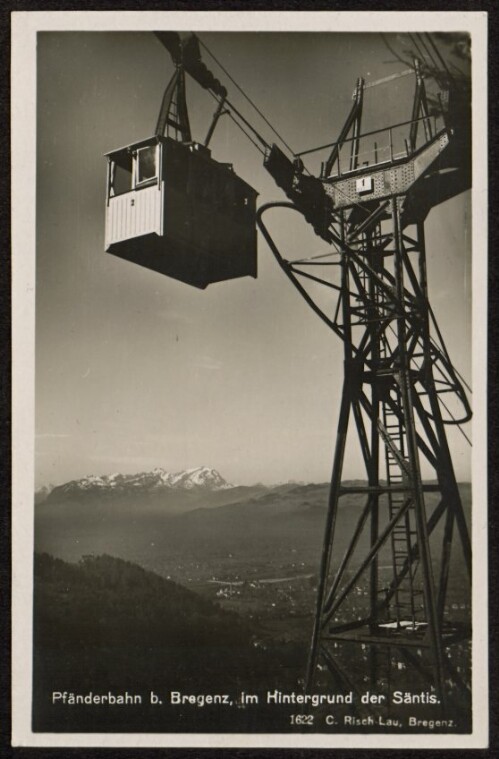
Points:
(444, 347)
(439, 55)
(257, 146)
(420, 51)
(231, 116)
(456, 422)
(426, 48)
(247, 97)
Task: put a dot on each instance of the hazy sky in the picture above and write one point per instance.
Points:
(135, 370)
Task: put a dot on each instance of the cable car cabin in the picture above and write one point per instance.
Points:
(173, 209)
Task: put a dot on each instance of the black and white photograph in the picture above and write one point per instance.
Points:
(249, 273)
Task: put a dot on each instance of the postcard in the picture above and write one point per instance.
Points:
(249, 277)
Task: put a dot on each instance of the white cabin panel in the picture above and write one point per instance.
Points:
(134, 214)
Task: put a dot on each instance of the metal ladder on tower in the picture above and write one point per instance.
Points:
(374, 308)
(407, 602)
(407, 599)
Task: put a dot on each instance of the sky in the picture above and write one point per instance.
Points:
(135, 370)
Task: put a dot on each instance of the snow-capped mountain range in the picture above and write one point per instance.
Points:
(199, 478)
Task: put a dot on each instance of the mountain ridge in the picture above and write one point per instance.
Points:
(155, 481)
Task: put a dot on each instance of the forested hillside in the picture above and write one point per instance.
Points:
(107, 624)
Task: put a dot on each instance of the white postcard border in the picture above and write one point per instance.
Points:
(25, 26)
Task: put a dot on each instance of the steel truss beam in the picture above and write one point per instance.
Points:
(395, 375)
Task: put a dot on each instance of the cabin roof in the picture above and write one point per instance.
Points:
(139, 144)
(164, 140)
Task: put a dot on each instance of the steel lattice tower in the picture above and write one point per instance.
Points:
(397, 377)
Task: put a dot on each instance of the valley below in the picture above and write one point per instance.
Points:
(250, 555)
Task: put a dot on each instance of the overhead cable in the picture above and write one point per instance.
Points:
(250, 101)
(420, 51)
(424, 45)
(439, 55)
(231, 116)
